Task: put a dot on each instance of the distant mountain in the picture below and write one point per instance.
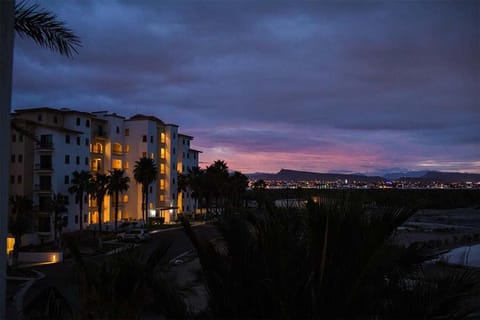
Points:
(293, 175)
(425, 176)
(408, 174)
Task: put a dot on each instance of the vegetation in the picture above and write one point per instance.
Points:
(117, 184)
(45, 29)
(99, 190)
(126, 286)
(330, 261)
(19, 220)
(145, 173)
(215, 188)
(81, 185)
(56, 206)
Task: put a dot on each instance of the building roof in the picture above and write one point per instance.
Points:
(185, 135)
(144, 117)
(197, 151)
(53, 110)
(45, 125)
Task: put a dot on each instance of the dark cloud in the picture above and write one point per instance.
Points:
(336, 75)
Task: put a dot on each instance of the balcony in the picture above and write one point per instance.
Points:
(43, 188)
(44, 146)
(117, 152)
(42, 167)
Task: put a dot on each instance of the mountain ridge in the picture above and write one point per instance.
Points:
(297, 175)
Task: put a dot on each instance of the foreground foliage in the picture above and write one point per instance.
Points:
(328, 261)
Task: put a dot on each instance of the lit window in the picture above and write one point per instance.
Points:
(127, 132)
(152, 156)
(162, 168)
(144, 154)
(127, 148)
(125, 198)
(162, 197)
(162, 137)
(117, 164)
(117, 148)
(162, 153)
(126, 166)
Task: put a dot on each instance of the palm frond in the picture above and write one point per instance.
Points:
(45, 29)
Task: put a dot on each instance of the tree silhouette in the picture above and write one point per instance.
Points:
(117, 184)
(81, 185)
(145, 172)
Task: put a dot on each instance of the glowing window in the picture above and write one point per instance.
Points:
(116, 164)
(162, 168)
(162, 184)
(162, 137)
(162, 153)
(117, 148)
(125, 198)
(152, 156)
(127, 148)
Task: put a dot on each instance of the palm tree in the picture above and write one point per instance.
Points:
(81, 184)
(56, 206)
(20, 220)
(46, 30)
(145, 172)
(117, 184)
(99, 190)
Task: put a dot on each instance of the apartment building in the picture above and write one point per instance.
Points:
(49, 144)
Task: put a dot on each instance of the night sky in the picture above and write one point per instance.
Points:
(339, 86)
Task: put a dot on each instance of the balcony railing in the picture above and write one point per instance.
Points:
(46, 167)
(43, 188)
(45, 145)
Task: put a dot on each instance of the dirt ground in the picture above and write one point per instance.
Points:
(441, 229)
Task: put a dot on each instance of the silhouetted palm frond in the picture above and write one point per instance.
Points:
(45, 29)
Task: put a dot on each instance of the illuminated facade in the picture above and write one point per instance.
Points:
(49, 144)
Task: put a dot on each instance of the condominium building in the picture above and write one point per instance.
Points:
(49, 144)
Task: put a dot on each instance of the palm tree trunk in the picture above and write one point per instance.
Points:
(6, 62)
(116, 209)
(81, 211)
(146, 206)
(100, 205)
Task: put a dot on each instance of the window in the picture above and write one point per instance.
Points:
(12, 179)
(77, 160)
(125, 198)
(87, 141)
(39, 117)
(14, 137)
(19, 179)
(188, 155)
(87, 123)
(67, 138)
(20, 158)
(144, 154)
(12, 158)
(67, 159)
(55, 119)
(117, 164)
(173, 181)
(126, 165)
(117, 130)
(162, 168)
(152, 156)
(150, 189)
(76, 219)
(162, 184)
(66, 179)
(78, 140)
(127, 132)
(162, 197)
(162, 137)
(20, 138)
(127, 148)
(144, 138)
(86, 161)
(183, 141)
(174, 136)
(162, 153)
(78, 121)
(173, 151)
(151, 139)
